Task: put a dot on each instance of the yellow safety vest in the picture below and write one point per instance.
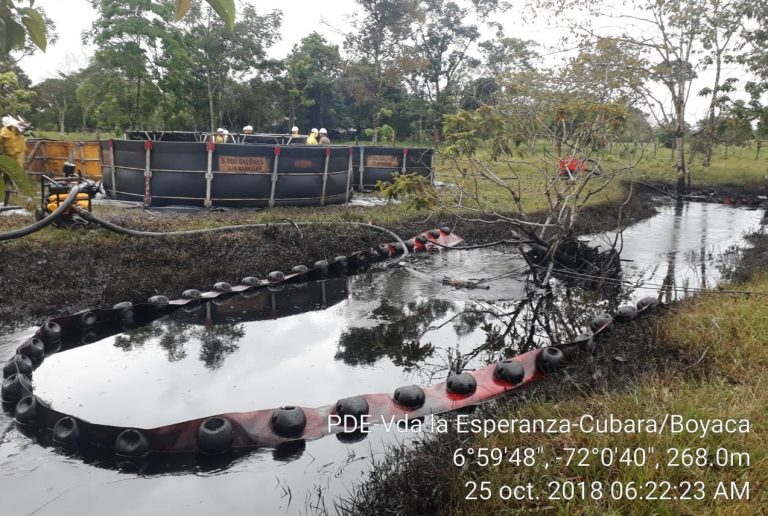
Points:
(13, 144)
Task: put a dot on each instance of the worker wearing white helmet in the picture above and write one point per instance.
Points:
(294, 131)
(312, 138)
(324, 140)
(221, 136)
(248, 129)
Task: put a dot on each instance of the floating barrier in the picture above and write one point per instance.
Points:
(282, 428)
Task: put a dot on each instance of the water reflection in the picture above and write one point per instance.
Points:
(172, 336)
(398, 335)
(312, 345)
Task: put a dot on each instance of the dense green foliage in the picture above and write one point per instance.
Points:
(193, 65)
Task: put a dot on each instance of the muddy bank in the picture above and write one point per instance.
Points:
(71, 270)
(736, 195)
(422, 475)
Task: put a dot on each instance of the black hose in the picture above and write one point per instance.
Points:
(90, 217)
(40, 224)
(9, 208)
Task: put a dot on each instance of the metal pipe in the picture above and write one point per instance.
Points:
(274, 176)
(112, 167)
(349, 176)
(147, 173)
(325, 174)
(362, 167)
(210, 146)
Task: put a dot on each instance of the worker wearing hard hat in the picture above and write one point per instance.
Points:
(248, 129)
(294, 131)
(312, 138)
(324, 140)
(221, 136)
(12, 139)
(12, 144)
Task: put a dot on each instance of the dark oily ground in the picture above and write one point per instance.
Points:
(420, 474)
(49, 277)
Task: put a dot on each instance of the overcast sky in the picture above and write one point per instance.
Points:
(72, 17)
(332, 18)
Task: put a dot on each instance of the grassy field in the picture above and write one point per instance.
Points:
(728, 381)
(528, 181)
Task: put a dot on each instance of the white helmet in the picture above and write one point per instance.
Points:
(247, 128)
(220, 131)
(314, 130)
(323, 131)
(17, 123)
(294, 129)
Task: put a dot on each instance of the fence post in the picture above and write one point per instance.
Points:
(432, 167)
(209, 147)
(147, 173)
(274, 176)
(349, 177)
(405, 158)
(112, 167)
(362, 166)
(325, 174)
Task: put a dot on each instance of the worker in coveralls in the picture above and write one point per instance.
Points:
(312, 139)
(12, 144)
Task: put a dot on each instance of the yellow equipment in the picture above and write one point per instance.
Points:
(55, 192)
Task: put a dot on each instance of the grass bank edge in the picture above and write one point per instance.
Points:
(729, 335)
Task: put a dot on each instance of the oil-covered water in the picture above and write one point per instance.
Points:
(310, 345)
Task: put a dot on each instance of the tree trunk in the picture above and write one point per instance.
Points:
(757, 153)
(210, 104)
(680, 164)
(709, 143)
(62, 119)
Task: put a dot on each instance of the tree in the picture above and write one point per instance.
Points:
(666, 34)
(735, 128)
(438, 55)
(376, 50)
(523, 115)
(131, 36)
(14, 97)
(755, 56)
(218, 55)
(313, 69)
(722, 21)
(17, 23)
(225, 9)
(761, 130)
(59, 95)
(504, 56)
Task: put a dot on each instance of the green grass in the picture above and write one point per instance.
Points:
(73, 136)
(739, 168)
(730, 337)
